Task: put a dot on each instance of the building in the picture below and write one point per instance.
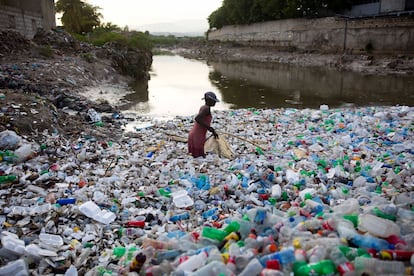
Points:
(26, 16)
(362, 8)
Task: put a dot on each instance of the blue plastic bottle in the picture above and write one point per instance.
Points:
(284, 257)
(181, 216)
(368, 242)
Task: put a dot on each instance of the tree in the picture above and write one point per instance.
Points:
(78, 17)
(233, 12)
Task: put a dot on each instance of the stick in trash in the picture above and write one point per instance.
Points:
(244, 139)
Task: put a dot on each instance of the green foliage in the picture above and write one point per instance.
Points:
(163, 40)
(101, 38)
(140, 40)
(134, 40)
(78, 17)
(241, 12)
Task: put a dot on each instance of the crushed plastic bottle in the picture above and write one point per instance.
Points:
(332, 187)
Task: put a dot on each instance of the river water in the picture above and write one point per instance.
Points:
(177, 85)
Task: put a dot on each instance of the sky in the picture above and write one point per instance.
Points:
(135, 13)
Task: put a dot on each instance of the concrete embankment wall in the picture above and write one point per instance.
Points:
(328, 35)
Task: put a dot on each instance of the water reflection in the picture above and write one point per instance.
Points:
(175, 89)
(177, 85)
(273, 85)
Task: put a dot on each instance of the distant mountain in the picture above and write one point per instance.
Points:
(191, 27)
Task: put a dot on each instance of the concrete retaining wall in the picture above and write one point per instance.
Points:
(328, 35)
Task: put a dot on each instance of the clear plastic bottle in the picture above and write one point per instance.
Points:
(157, 244)
(212, 268)
(194, 262)
(316, 254)
(377, 226)
(17, 268)
(373, 266)
(254, 267)
(131, 232)
(343, 265)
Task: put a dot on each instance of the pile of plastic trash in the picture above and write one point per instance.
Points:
(328, 192)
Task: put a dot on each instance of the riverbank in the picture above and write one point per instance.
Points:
(369, 64)
(79, 194)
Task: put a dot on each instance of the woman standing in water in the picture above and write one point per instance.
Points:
(197, 136)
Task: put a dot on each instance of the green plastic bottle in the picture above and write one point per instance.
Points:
(351, 252)
(353, 218)
(213, 233)
(233, 226)
(322, 268)
(384, 215)
(119, 251)
(7, 178)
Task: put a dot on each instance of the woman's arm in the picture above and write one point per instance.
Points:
(205, 111)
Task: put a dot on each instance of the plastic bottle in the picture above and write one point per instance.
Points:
(343, 265)
(399, 255)
(16, 268)
(276, 191)
(23, 153)
(380, 213)
(71, 271)
(316, 254)
(233, 226)
(271, 272)
(324, 267)
(349, 206)
(51, 240)
(66, 201)
(140, 223)
(131, 232)
(378, 226)
(213, 233)
(179, 217)
(12, 244)
(7, 156)
(212, 268)
(351, 252)
(244, 258)
(7, 178)
(137, 262)
(373, 266)
(284, 257)
(368, 242)
(254, 267)
(167, 255)
(157, 244)
(209, 213)
(193, 262)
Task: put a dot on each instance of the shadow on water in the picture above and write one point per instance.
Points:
(273, 85)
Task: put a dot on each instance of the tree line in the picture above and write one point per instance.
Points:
(243, 12)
